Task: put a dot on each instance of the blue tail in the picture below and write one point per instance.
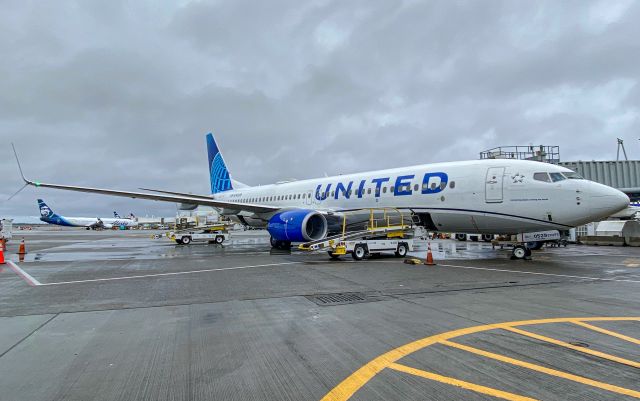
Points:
(219, 175)
(45, 211)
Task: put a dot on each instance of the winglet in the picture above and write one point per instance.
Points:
(27, 182)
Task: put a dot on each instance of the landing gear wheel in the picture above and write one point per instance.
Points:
(178, 241)
(186, 240)
(219, 239)
(282, 245)
(520, 252)
(461, 237)
(333, 256)
(359, 252)
(402, 250)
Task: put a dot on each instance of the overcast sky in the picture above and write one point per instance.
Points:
(120, 94)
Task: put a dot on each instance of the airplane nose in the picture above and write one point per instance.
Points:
(606, 201)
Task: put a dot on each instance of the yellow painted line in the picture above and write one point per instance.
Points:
(360, 377)
(607, 332)
(542, 369)
(459, 383)
(574, 347)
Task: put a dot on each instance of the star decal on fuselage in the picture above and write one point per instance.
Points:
(517, 178)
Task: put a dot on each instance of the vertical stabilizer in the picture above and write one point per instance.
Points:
(45, 211)
(218, 172)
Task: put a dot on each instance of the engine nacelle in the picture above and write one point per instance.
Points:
(298, 226)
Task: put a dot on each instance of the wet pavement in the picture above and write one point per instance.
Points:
(118, 315)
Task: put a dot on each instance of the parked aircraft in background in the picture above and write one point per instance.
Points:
(478, 196)
(48, 216)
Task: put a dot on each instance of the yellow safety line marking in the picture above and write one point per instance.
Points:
(574, 347)
(360, 377)
(459, 383)
(542, 369)
(607, 332)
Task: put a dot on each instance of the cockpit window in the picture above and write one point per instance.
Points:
(572, 175)
(541, 177)
(557, 177)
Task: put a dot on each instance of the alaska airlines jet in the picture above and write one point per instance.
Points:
(48, 216)
(496, 196)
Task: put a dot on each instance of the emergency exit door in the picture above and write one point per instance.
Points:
(494, 184)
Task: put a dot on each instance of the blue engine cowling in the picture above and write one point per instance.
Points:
(298, 226)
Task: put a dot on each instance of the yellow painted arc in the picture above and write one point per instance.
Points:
(360, 377)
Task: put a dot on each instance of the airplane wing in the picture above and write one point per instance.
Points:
(194, 200)
(162, 196)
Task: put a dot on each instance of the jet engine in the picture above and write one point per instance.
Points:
(298, 226)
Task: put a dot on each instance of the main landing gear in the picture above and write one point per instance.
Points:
(521, 251)
(283, 245)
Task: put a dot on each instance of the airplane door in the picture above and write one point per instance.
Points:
(494, 184)
(309, 199)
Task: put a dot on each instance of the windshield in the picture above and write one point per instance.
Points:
(555, 177)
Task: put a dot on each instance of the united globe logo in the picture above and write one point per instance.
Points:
(219, 175)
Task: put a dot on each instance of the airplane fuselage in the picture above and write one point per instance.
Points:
(482, 196)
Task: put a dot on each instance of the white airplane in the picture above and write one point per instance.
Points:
(478, 196)
(48, 216)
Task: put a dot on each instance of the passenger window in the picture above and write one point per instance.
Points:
(384, 190)
(452, 184)
(369, 191)
(433, 185)
(544, 177)
(349, 193)
(416, 187)
(425, 186)
(391, 188)
(333, 193)
(443, 185)
(557, 177)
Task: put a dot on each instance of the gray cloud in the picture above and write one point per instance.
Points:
(120, 94)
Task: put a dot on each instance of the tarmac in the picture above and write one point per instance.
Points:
(117, 315)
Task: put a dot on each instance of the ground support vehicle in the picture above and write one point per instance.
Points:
(523, 244)
(393, 232)
(6, 229)
(213, 234)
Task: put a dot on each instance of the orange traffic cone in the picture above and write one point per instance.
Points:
(22, 250)
(3, 244)
(2, 256)
(429, 261)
